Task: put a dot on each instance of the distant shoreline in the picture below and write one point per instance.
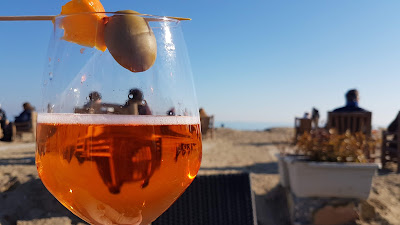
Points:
(257, 126)
(250, 126)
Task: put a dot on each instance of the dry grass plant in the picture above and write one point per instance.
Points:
(328, 146)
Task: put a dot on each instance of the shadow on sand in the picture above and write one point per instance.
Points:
(390, 168)
(260, 144)
(257, 168)
(274, 205)
(29, 201)
(18, 161)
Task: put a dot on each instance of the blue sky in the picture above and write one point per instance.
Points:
(258, 61)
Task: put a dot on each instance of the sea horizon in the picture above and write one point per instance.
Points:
(260, 126)
(244, 125)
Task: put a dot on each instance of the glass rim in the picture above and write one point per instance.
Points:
(148, 16)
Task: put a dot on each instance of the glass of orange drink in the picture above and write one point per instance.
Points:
(118, 136)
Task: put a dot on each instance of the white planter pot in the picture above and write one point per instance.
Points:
(283, 172)
(328, 179)
(283, 169)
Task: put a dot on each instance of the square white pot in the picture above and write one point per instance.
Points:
(329, 179)
(283, 171)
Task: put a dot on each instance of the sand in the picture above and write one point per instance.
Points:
(25, 201)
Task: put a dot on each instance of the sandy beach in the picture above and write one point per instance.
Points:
(25, 201)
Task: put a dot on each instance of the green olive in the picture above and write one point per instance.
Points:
(131, 41)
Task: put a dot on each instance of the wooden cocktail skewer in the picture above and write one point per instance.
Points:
(23, 18)
(38, 18)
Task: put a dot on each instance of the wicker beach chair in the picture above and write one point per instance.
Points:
(390, 149)
(213, 200)
(350, 121)
(19, 128)
(207, 126)
(353, 122)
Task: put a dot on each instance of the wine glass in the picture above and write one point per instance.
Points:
(114, 145)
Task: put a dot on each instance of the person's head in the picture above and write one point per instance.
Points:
(171, 112)
(27, 106)
(352, 96)
(135, 94)
(94, 96)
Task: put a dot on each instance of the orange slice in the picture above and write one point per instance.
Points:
(86, 30)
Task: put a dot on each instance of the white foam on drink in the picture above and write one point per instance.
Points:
(69, 118)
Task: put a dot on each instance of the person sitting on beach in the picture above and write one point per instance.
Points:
(3, 118)
(171, 112)
(315, 117)
(306, 115)
(26, 114)
(352, 99)
(6, 126)
(93, 106)
(135, 99)
(7, 131)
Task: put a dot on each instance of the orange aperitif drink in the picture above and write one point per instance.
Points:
(119, 172)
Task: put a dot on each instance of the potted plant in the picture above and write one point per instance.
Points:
(334, 165)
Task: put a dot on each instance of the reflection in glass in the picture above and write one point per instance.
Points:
(135, 105)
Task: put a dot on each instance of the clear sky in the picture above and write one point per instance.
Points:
(256, 60)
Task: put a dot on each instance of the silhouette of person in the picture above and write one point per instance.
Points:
(6, 127)
(26, 114)
(352, 99)
(315, 117)
(94, 103)
(7, 131)
(50, 108)
(136, 104)
(3, 118)
(171, 112)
